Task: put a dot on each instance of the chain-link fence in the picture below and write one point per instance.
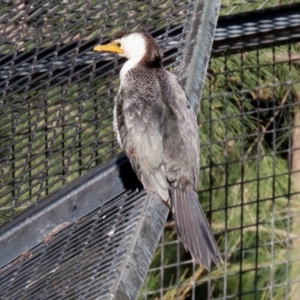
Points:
(56, 104)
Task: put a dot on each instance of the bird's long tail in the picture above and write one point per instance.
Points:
(193, 228)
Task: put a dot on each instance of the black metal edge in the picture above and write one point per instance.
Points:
(198, 51)
(142, 248)
(255, 42)
(260, 39)
(67, 205)
(255, 16)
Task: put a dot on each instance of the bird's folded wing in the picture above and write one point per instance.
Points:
(181, 140)
(140, 123)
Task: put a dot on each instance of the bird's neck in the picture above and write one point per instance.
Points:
(130, 63)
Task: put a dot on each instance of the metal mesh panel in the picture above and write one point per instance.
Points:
(57, 95)
(250, 174)
(94, 239)
(68, 259)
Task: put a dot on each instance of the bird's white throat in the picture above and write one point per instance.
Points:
(135, 47)
(131, 63)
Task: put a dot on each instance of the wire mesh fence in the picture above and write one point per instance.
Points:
(55, 125)
(250, 174)
(57, 96)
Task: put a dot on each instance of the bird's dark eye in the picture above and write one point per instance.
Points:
(119, 44)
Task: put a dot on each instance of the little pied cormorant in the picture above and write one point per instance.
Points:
(157, 128)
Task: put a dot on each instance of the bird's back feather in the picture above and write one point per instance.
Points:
(159, 132)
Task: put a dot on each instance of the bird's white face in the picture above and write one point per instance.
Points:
(130, 46)
(133, 45)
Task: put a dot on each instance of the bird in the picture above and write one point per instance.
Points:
(157, 128)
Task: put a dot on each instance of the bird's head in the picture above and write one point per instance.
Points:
(134, 45)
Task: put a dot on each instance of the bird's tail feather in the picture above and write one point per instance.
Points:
(193, 228)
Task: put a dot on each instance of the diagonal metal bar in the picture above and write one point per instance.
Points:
(198, 50)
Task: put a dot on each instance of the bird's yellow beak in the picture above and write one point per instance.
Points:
(112, 47)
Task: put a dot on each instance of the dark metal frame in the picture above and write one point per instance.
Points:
(257, 29)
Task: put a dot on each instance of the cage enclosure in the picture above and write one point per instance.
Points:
(75, 222)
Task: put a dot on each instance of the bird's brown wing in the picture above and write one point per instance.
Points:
(181, 159)
(181, 141)
(140, 124)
